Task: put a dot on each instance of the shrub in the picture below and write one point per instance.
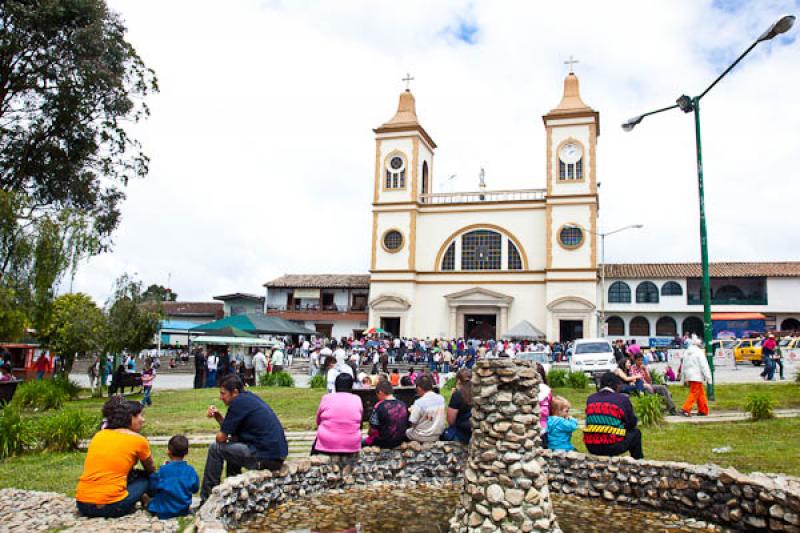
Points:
(578, 380)
(760, 406)
(450, 384)
(277, 379)
(656, 377)
(648, 410)
(63, 431)
(15, 432)
(40, 395)
(318, 382)
(70, 387)
(557, 378)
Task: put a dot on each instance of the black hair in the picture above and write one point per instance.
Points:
(343, 383)
(231, 383)
(542, 373)
(405, 381)
(178, 446)
(424, 382)
(395, 371)
(610, 380)
(384, 387)
(119, 412)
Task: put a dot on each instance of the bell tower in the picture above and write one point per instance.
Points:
(403, 177)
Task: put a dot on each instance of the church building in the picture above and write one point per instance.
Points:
(477, 263)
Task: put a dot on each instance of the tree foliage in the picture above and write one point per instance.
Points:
(131, 322)
(159, 293)
(76, 327)
(69, 85)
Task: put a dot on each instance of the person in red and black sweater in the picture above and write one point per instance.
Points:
(611, 422)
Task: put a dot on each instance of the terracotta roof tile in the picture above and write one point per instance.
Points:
(321, 281)
(788, 269)
(213, 309)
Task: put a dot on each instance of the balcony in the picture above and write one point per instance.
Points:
(519, 195)
(319, 312)
(698, 300)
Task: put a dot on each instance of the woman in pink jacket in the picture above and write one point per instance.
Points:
(339, 420)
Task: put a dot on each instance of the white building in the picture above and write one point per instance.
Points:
(477, 263)
(663, 300)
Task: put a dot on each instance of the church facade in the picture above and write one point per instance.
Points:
(477, 263)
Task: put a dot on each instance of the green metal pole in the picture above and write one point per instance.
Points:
(704, 251)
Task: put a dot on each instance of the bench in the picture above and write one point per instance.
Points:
(7, 390)
(128, 380)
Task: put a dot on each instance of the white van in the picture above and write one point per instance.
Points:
(592, 356)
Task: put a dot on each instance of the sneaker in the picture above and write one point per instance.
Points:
(702, 414)
(686, 414)
(673, 412)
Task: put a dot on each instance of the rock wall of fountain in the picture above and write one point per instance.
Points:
(505, 480)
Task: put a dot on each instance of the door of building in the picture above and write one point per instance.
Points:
(480, 326)
(569, 330)
(325, 330)
(391, 324)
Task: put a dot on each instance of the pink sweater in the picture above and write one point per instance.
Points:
(339, 423)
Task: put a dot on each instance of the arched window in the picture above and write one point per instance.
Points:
(395, 173)
(619, 293)
(640, 327)
(671, 288)
(694, 325)
(425, 184)
(728, 293)
(570, 161)
(790, 324)
(666, 327)
(449, 259)
(616, 326)
(647, 293)
(514, 260)
(481, 250)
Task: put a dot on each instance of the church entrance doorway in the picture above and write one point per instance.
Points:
(569, 330)
(480, 326)
(391, 324)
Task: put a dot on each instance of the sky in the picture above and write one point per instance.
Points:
(262, 146)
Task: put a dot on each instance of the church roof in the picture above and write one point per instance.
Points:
(320, 281)
(571, 100)
(405, 118)
(788, 269)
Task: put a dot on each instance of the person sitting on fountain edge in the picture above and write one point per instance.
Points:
(611, 422)
(250, 435)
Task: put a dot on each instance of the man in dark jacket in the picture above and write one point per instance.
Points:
(611, 421)
(199, 369)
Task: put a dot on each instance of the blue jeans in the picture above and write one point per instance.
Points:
(146, 400)
(136, 488)
(769, 368)
(637, 387)
(212, 378)
(454, 434)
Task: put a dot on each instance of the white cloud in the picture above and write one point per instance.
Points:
(262, 148)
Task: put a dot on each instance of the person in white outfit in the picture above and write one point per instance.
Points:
(695, 372)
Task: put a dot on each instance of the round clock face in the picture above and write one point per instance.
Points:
(396, 163)
(570, 153)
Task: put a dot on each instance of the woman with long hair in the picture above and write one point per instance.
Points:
(459, 410)
(109, 486)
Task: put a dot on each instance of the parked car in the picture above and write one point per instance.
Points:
(748, 350)
(535, 357)
(789, 343)
(592, 356)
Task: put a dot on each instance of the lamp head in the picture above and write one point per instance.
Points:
(638, 226)
(631, 123)
(783, 25)
(685, 104)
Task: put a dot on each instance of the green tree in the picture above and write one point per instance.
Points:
(159, 293)
(69, 85)
(77, 327)
(131, 323)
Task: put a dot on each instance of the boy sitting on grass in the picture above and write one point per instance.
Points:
(560, 425)
(174, 483)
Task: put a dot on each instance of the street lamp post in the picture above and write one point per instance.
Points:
(692, 104)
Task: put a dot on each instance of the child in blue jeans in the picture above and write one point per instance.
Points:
(560, 426)
(172, 486)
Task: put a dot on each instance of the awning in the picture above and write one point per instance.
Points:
(737, 316)
(256, 323)
(232, 341)
(524, 331)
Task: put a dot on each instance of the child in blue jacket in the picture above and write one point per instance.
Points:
(174, 483)
(560, 425)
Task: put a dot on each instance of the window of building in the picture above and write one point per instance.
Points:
(449, 259)
(666, 327)
(481, 250)
(570, 162)
(647, 293)
(392, 240)
(570, 236)
(396, 173)
(514, 259)
(619, 293)
(616, 326)
(694, 325)
(640, 327)
(671, 288)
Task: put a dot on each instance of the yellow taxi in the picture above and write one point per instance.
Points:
(789, 343)
(748, 350)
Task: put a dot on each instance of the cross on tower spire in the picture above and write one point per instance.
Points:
(571, 61)
(408, 79)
